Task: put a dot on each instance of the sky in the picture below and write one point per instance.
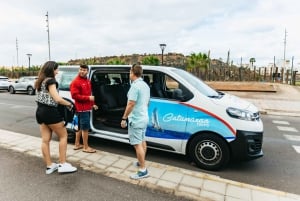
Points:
(262, 29)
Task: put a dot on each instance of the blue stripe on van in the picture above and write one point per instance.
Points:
(166, 134)
(172, 135)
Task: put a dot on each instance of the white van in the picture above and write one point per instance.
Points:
(186, 116)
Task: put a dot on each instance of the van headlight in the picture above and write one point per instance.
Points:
(240, 114)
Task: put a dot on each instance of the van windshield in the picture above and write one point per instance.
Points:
(65, 77)
(197, 83)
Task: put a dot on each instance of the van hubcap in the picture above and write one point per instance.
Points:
(209, 152)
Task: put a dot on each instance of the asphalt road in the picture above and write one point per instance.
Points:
(23, 179)
(278, 169)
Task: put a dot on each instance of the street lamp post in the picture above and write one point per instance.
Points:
(29, 55)
(162, 47)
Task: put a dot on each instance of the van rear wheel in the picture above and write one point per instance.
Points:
(209, 152)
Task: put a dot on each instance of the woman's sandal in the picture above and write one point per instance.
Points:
(78, 147)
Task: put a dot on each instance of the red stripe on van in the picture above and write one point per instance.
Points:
(211, 114)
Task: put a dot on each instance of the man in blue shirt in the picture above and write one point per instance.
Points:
(137, 114)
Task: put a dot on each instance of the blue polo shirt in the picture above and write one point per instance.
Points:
(139, 92)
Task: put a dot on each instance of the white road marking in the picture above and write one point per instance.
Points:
(295, 138)
(285, 128)
(297, 148)
(292, 137)
(16, 106)
(281, 122)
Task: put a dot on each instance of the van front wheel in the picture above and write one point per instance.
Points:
(209, 151)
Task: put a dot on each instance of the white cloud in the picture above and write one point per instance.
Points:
(80, 29)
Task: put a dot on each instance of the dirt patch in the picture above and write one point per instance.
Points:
(243, 86)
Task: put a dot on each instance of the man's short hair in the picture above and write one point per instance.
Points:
(137, 70)
(84, 66)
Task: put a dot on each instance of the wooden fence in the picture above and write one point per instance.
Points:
(245, 74)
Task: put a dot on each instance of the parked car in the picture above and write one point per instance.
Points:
(23, 84)
(4, 83)
(186, 116)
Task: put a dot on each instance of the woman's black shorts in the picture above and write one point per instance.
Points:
(47, 114)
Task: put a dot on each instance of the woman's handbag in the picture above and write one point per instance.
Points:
(66, 112)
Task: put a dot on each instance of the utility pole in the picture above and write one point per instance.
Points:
(228, 57)
(208, 66)
(47, 20)
(284, 46)
(275, 71)
(292, 73)
(29, 55)
(209, 61)
(17, 51)
(240, 70)
(241, 61)
(227, 72)
(284, 50)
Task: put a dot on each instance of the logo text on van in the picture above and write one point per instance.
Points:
(171, 117)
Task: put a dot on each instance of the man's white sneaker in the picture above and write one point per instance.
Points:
(52, 168)
(140, 174)
(66, 168)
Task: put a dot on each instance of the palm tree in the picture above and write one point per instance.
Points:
(150, 60)
(115, 62)
(198, 60)
(252, 60)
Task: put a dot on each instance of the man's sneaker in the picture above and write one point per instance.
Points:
(52, 168)
(140, 175)
(66, 168)
(136, 164)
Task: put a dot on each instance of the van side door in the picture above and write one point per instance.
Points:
(167, 116)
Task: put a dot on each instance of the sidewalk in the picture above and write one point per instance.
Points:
(270, 98)
(180, 182)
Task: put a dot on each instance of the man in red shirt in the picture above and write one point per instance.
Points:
(84, 102)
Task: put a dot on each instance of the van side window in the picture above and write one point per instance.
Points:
(148, 79)
(164, 86)
(157, 88)
(173, 89)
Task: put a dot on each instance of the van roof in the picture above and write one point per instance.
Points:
(146, 67)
